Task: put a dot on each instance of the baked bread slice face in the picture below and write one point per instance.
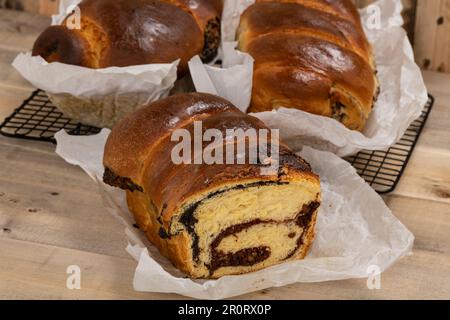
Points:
(218, 219)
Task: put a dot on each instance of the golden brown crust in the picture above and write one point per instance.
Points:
(59, 44)
(207, 14)
(146, 136)
(132, 32)
(176, 248)
(292, 17)
(203, 10)
(341, 8)
(312, 75)
(138, 158)
(308, 237)
(145, 128)
(313, 57)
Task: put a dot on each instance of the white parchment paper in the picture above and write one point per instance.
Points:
(403, 92)
(221, 81)
(356, 231)
(98, 97)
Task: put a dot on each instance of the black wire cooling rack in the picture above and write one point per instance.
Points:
(383, 169)
(38, 119)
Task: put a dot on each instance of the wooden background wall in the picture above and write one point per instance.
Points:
(409, 13)
(426, 21)
(46, 7)
(428, 25)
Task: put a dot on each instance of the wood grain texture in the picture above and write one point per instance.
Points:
(54, 202)
(51, 215)
(428, 25)
(426, 32)
(48, 7)
(44, 7)
(19, 30)
(409, 14)
(21, 5)
(440, 60)
(432, 35)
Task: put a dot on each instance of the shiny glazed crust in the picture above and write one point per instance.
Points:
(167, 199)
(314, 57)
(132, 32)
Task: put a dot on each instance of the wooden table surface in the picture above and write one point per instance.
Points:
(51, 215)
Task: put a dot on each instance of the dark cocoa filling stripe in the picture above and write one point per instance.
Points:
(338, 111)
(376, 96)
(244, 257)
(252, 256)
(212, 40)
(109, 177)
(304, 220)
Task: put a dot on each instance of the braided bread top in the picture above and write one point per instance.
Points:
(311, 55)
(132, 32)
(138, 153)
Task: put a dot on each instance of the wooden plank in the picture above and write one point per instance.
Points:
(428, 220)
(410, 278)
(437, 83)
(409, 14)
(44, 7)
(10, 78)
(431, 230)
(55, 204)
(427, 176)
(428, 173)
(10, 100)
(51, 213)
(428, 13)
(21, 5)
(30, 271)
(80, 229)
(48, 7)
(19, 30)
(439, 118)
(441, 57)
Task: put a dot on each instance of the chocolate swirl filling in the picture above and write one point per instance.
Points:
(247, 256)
(252, 256)
(188, 217)
(212, 41)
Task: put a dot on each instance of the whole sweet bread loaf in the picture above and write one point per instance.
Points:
(212, 219)
(132, 32)
(310, 55)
